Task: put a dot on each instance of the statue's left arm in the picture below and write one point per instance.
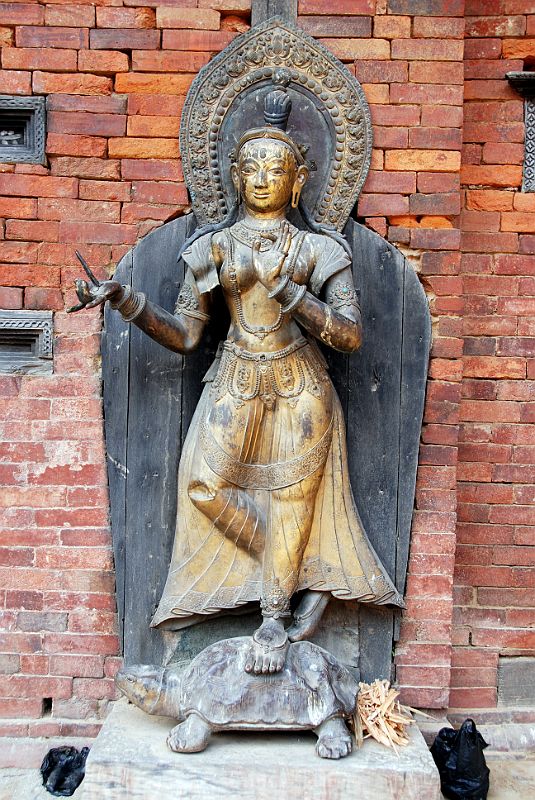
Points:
(335, 319)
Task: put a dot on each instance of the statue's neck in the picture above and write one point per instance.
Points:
(260, 220)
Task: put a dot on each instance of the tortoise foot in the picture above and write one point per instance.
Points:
(334, 739)
(268, 649)
(191, 736)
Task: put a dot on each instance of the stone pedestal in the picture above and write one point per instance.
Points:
(130, 759)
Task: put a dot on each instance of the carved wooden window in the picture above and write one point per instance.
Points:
(524, 83)
(22, 130)
(26, 342)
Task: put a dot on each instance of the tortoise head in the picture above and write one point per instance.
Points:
(144, 686)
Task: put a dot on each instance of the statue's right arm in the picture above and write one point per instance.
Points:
(181, 331)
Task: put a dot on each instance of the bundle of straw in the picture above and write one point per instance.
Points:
(379, 714)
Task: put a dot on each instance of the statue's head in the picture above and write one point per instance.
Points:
(269, 170)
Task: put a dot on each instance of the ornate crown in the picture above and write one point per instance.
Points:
(277, 107)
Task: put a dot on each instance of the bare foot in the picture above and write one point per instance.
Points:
(308, 615)
(191, 736)
(269, 646)
(334, 739)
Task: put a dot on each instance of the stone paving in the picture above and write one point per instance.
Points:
(511, 779)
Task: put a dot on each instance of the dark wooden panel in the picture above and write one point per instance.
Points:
(262, 10)
(115, 365)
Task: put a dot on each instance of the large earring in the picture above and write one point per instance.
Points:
(296, 194)
(238, 195)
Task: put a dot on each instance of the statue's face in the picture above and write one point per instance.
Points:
(267, 172)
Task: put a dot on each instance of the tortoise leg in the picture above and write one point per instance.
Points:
(191, 736)
(334, 739)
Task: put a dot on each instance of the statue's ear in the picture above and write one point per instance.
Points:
(234, 174)
(301, 176)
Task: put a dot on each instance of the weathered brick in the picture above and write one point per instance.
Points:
(105, 190)
(119, 39)
(10, 297)
(152, 169)
(168, 61)
(101, 232)
(21, 14)
(427, 49)
(153, 126)
(432, 8)
(350, 49)
(15, 81)
(523, 222)
(91, 124)
(438, 27)
(97, 105)
(205, 41)
(59, 209)
(337, 26)
(102, 61)
(125, 18)
(429, 160)
(483, 175)
(30, 36)
(445, 203)
(49, 82)
(31, 230)
(495, 26)
(70, 16)
(342, 7)
(392, 27)
(435, 138)
(98, 168)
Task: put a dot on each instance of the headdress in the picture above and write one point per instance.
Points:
(277, 107)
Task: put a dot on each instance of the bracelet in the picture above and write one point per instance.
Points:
(282, 284)
(131, 304)
(290, 295)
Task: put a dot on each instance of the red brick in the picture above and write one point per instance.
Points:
(126, 18)
(77, 666)
(514, 264)
(153, 126)
(489, 242)
(434, 203)
(433, 182)
(438, 138)
(27, 230)
(129, 39)
(96, 105)
(70, 16)
(371, 204)
(33, 58)
(438, 27)
(21, 14)
(6, 37)
(168, 61)
(351, 49)
(65, 144)
(86, 123)
(41, 298)
(80, 643)
(204, 41)
(192, 19)
(397, 183)
(157, 169)
(152, 83)
(101, 232)
(15, 82)
(159, 192)
(426, 93)
(526, 244)
(488, 90)
(482, 48)
(490, 132)
(18, 252)
(102, 61)
(427, 50)
(435, 239)
(105, 190)
(28, 36)
(10, 297)
(99, 168)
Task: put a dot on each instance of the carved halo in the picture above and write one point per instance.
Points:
(330, 117)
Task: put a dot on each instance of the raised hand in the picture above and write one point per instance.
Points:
(268, 265)
(97, 293)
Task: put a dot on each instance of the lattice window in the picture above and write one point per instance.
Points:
(22, 130)
(524, 83)
(26, 341)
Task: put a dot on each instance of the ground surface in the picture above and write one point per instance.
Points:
(511, 779)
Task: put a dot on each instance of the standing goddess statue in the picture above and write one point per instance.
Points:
(265, 507)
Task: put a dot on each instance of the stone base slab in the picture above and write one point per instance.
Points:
(130, 759)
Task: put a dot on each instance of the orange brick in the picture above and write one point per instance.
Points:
(427, 50)
(491, 200)
(38, 186)
(84, 210)
(49, 83)
(205, 41)
(34, 58)
(192, 18)
(15, 82)
(143, 148)
(153, 126)
(503, 153)
(102, 61)
(492, 367)
(518, 48)
(447, 72)
(168, 61)
(438, 27)
(428, 160)
(351, 49)
(376, 93)
(67, 145)
(6, 37)
(391, 27)
(23, 208)
(523, 201)
(21, 14)
(148, 83)
(522, 222)
(105, 190)
(491, 175)
(126, 18)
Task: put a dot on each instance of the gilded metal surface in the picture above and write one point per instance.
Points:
(277, 52)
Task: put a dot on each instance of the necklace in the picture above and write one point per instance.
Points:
(247, 234)
(260, 331)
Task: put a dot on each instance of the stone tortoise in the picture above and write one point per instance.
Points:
(213, 692)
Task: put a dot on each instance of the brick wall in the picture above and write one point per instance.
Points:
(495, 559)
(116, 73)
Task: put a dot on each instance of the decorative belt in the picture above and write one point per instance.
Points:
(282, 373)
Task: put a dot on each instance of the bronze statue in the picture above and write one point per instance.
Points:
(264, 503)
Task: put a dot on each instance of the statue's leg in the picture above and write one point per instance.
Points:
(291, 510)
(232, 510)
(191, 736)
(307, 615)
(334, 739)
